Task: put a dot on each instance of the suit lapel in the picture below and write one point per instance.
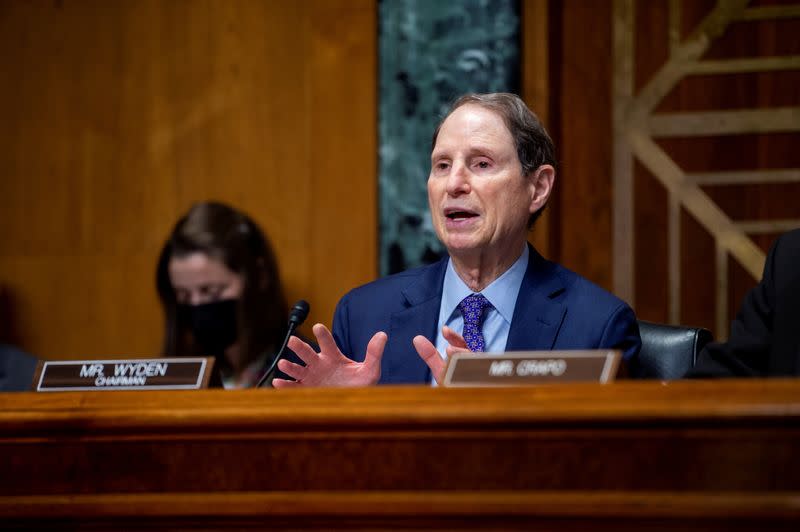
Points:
(422, 299)
(537, 315)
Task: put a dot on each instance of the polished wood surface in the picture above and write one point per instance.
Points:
(117, 116)
(691, 455)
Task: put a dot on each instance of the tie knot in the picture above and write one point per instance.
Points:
(472, 309)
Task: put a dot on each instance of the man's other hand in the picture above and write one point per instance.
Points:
(427, 351)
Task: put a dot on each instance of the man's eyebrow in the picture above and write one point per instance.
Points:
(480, 149)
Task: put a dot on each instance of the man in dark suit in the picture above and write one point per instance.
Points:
(492, 171)
(765, 336)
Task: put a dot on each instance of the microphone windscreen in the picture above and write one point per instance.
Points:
(299, 312)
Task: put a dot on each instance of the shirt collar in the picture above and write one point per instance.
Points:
(501, 293)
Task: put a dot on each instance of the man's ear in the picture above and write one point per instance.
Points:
(541, 183)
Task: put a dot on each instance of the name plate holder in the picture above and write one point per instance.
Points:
(180, 373)
(532, 367)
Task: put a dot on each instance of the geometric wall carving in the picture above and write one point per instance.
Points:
(637, 128)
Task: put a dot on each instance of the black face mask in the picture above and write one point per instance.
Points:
(214, 325)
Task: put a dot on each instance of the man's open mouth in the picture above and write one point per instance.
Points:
(460, 215)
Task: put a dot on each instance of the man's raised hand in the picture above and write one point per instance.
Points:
(330, 367)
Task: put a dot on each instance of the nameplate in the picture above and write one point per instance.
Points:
(531, 367)
(183, 373)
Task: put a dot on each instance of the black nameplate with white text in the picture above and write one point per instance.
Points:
(183, 373)
(531, 367)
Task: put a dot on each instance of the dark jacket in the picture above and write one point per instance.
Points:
(16, 369)
(765, 336)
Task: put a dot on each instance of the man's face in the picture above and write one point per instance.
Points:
(478, 197)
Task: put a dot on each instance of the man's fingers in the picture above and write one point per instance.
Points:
(372, 359)
(454, 339)
(453, 350)
(375, 348)
(427, 351)
(327, 345)
(283, 383)
(455, 342)
(304, 351)
(295, 371)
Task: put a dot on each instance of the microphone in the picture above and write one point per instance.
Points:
(297, 316)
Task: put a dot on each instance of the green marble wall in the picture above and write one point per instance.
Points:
(431, 52)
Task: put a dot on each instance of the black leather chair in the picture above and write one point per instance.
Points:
(668, 351)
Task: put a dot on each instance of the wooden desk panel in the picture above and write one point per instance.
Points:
(689, 455)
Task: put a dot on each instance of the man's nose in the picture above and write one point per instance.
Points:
(458, 180)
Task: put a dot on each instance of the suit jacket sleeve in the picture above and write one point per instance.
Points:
(622, 332)
(341, 328)
(746, 352)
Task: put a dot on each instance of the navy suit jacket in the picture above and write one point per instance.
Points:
(555, 309)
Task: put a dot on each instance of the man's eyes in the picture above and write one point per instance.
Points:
(482, 164)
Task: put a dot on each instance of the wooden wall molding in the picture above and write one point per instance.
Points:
(636, 125)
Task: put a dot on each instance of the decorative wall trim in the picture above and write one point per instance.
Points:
(636, 125)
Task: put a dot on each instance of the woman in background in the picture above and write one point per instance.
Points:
(220, 288)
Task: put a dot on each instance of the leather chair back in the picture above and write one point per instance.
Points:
(668, 351)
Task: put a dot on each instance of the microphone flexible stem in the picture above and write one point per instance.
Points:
(278, 355)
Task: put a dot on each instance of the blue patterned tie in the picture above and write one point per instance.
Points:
(472, 309)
